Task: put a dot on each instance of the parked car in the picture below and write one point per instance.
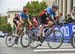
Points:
(2, 34)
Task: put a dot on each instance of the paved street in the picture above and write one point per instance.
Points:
(17, 49)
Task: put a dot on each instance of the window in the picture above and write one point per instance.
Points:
(71, 4)
(62, 6)
(65, 7)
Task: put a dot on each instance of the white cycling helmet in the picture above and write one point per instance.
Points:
(55, 6)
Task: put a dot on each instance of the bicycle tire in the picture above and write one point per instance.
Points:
(73, 40)
(33, 42)
(6, 41)
(61, 38)
(21, 42)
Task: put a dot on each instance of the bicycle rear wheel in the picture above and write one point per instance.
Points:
(55, 39)
(73, 40)
(10, 40)
(33, 40)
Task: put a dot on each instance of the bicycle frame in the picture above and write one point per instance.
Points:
(48, 32)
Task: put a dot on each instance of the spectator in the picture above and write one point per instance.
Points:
(69, 19)
(73, 14)
(61, 18)
(73, 10)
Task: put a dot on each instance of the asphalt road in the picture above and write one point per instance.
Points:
(17, 49)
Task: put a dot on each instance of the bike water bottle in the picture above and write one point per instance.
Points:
(25, 29)
(43, 33)
(38, 29)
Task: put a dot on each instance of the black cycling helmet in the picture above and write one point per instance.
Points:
(55, 6)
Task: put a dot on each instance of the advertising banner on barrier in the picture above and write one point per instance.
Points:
(67, 31)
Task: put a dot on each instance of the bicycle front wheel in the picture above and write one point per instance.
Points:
(24, 40)
(73, 40)
(55, 39)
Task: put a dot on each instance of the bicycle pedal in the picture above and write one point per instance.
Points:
(40, 44)
(43, 38)
(16, 42)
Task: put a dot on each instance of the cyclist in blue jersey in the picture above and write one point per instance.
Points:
(48, 17)
(24, 16)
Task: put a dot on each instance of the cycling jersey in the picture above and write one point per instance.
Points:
(51, 12)
(47, 13)
(25, 18)
(15, 20)
(43, 19)
(23, 15)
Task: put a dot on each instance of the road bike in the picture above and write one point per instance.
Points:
(53, 37)
(10, 38)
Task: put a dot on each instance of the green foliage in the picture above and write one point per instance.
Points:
(8, 28)
(35, 7)
(4, 26)
(14, 28)
(3, 20)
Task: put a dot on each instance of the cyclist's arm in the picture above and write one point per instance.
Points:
(21, 20)
(29, 21)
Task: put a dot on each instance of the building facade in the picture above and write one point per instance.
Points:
(11, 15)
(49, 2)
(65, 6)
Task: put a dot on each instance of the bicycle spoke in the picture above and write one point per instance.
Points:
(55, 39)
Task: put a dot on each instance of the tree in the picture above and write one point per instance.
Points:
(4, 26)
(35, 7)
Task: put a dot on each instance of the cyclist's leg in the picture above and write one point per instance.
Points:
(50, 23)
(15, 23)
(40, 33)
(19, 27)
(43, 21)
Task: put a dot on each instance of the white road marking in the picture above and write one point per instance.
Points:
(42, 47)
(52, 50)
